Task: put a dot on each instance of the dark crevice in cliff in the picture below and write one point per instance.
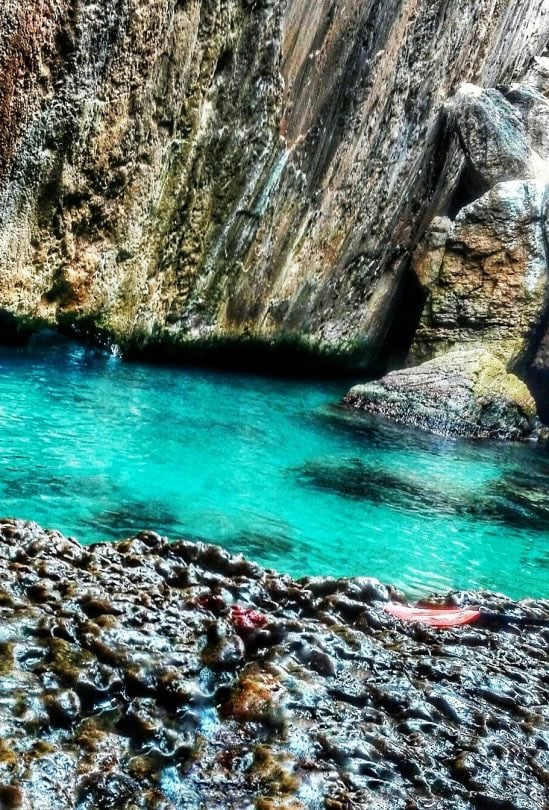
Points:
(469, 188)
(406, 309)
(224, 63)
(537, 380)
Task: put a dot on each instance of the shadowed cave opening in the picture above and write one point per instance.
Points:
(537, 381)
(469, 188)
(407, 307)
(13, 330)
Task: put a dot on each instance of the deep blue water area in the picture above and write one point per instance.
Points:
(100, 448)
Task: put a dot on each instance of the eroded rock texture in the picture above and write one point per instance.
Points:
(149, 675)
(190, 168)
(462, 393)
(489, 283)
(484, 272)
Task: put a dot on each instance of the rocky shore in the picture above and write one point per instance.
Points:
(153, 675)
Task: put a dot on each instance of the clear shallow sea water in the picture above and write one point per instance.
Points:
(99, 449)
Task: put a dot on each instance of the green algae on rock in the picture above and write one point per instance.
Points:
(128, 683)
(463, 393)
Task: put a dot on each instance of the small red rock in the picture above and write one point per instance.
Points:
(246, 618)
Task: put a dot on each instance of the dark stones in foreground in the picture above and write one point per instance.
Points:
(129, 680)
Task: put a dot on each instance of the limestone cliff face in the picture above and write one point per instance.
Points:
(174, 169)
(486, 274)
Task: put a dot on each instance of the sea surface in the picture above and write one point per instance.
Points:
(100, 449)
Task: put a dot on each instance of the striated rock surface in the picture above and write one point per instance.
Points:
(149, 675)
(462, 393)
(183, 169)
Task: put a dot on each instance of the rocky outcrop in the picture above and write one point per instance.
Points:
(487, 276)
(503, 135)
(173, 170)
(153, 675)
(463, 393)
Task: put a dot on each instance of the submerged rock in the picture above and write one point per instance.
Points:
(463, 393)
(131, 685)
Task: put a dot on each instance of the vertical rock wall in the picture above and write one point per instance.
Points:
(174, 169)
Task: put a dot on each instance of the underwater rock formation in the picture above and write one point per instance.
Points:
(182, 169)
(462, 393)
(166, 676)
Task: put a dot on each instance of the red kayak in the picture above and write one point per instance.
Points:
(434, 617)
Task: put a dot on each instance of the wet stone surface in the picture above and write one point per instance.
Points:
(152, 675)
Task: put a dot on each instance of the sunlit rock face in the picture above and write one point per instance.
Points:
(486, 274)
(175, 168)
(489, 284)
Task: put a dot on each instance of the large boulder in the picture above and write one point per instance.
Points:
(492, 134)
(501, 132)
(463, 393)
(486, 276)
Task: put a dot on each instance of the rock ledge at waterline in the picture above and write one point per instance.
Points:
(127, 682)
(463, 393)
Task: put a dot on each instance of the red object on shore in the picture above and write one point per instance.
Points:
(246, 618)
(434, 617)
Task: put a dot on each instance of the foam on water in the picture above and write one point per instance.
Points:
(100, 449)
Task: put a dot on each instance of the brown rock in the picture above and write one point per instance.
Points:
(213, 169)
(489, 285)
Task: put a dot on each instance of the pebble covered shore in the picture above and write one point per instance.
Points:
(146, 674)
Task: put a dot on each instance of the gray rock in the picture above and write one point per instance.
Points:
(492, 134)
(533, 108)
(537, 76)
(463, 393)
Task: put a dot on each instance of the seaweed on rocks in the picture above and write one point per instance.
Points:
(149, 674)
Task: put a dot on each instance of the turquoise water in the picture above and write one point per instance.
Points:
(99, 449)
